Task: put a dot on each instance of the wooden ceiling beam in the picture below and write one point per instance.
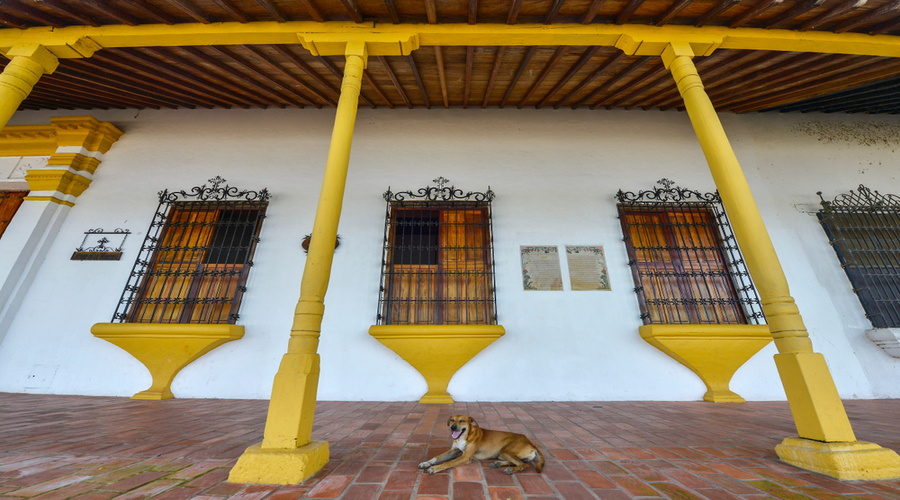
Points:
(153, 11)
(514, 11)
(841, 9)
(368, 79)
(439, 60)
(671, 12)
(786, 73)
(191, 10)
(628, 89)
(84, 100)
(588, 54)
(395, 81)
(495, 69)
(232, 11)
(631, 68)
(141, 76)
(852, 77)
(627, 11)
(221, 85)
(113, 12)
(467, 86)
(62, 86)
(12, 22)
(431, 11)
(340, 76)
(241, 78)
(553, 12)
(91, 73)
(262, 56)
(306, 68)
(51, 103)
(473, 11)
(273, 11)
(67, 77)
(591, 77)
(794, 12)
(867, 17)
(286, 91)
(885, 27)
(418, 77)
(78, 14)
(392, 11)
(634, 97)
(522, 65)
(592, 11)
(19, 9)
(353, 9)
(554, 60)
(754, 12)
(717, 10)
(312, 10)
(130, 60)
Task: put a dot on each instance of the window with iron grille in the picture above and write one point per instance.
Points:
(10, 201)
(438, 261)
(863, 227)
(684, 258)
(194, 262)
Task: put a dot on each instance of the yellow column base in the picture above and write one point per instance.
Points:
(846, 461)
(260, 465)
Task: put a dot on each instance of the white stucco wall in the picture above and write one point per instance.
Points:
(554, 174)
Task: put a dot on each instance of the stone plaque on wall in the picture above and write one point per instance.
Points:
(587, 268)
(540, 268)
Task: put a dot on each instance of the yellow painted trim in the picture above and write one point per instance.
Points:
(437, 351)
(85, 131)
(28, 140)
(847, 461)
(258, 465)
(713, 352)
(49, 198)
(81, 41)
(63, 181)
(75, 161)
(165, 348)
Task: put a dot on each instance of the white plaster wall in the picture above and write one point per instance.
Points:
(554, 173)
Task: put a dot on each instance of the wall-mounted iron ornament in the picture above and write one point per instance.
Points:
(308, 237)
(100, 250)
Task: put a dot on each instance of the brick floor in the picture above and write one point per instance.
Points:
(98, 448)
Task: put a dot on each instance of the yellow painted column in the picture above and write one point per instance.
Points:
(26, 66)
(287, 455)
(827, 443)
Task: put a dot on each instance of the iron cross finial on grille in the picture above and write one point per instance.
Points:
(440, 181)
(215, 181)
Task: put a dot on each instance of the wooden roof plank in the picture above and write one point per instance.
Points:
(61, 85)
(153, 11)
(588, 54)
(592, 11)
(371, 83)
(794, 12)
(106, 8)
(440, 67)
(65, 76)
(262, 56)
(395, 81)
(671, 12)
(553, 12)
(273, 11)
(12, 22)
(629, 9)
(554, 60)
(85, 71)
(826, 16)
(473, 11)
(868, 17)
(415, 71)
(631, 87)
(190, 9)
(495, 69)
(353, 10)
(470, 61)
(514, 11)
(306, 68)
(613, 80)
(753, 12)
(591, 77)
(235, 13)
(78, 14)
(522, 65)
(431, 11)
(392, 11)
(243, 80)
(290, 94)
(18, 8)
(717, 10)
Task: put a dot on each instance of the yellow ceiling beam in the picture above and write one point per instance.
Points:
(395, 39)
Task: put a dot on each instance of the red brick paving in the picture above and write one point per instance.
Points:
(95, 448)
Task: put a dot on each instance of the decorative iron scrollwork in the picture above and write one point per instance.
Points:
(863, 199)
(667, 194)
(215, 192)
(441, 192)
(100, 251)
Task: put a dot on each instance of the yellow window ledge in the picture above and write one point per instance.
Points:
(713, 352)
(165, 348)
(437, 351)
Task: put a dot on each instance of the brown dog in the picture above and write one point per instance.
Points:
(471, 441)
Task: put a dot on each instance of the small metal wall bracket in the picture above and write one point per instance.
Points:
(100, 250)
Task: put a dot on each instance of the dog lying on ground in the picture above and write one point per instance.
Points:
(470, 441)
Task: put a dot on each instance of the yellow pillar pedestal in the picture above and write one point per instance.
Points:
(165, 348)
(26, 66)
(816, 406)
(713, 352)
(287, 438)
(437, 351)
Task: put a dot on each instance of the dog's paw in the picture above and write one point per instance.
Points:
(431, 470)
(509, 471)
(495, 465)
(425, 465)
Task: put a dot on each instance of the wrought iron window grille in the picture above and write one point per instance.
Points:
(863, 227)
(193, 264)
(437, 260)
(685, 260)
(100, 251)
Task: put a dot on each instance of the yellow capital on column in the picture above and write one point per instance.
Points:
(287, 455)
(827, 443)
(26, 66)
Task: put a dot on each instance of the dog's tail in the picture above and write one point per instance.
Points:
(539, 460)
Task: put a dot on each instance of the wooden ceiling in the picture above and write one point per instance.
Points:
(254, 76)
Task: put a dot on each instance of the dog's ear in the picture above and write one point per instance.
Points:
(472, 422)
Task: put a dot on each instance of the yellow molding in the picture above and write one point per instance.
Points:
(85, 131)
(63, 181)
(28, 140)
(75, 161)
(49, 198)
(79, 41)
